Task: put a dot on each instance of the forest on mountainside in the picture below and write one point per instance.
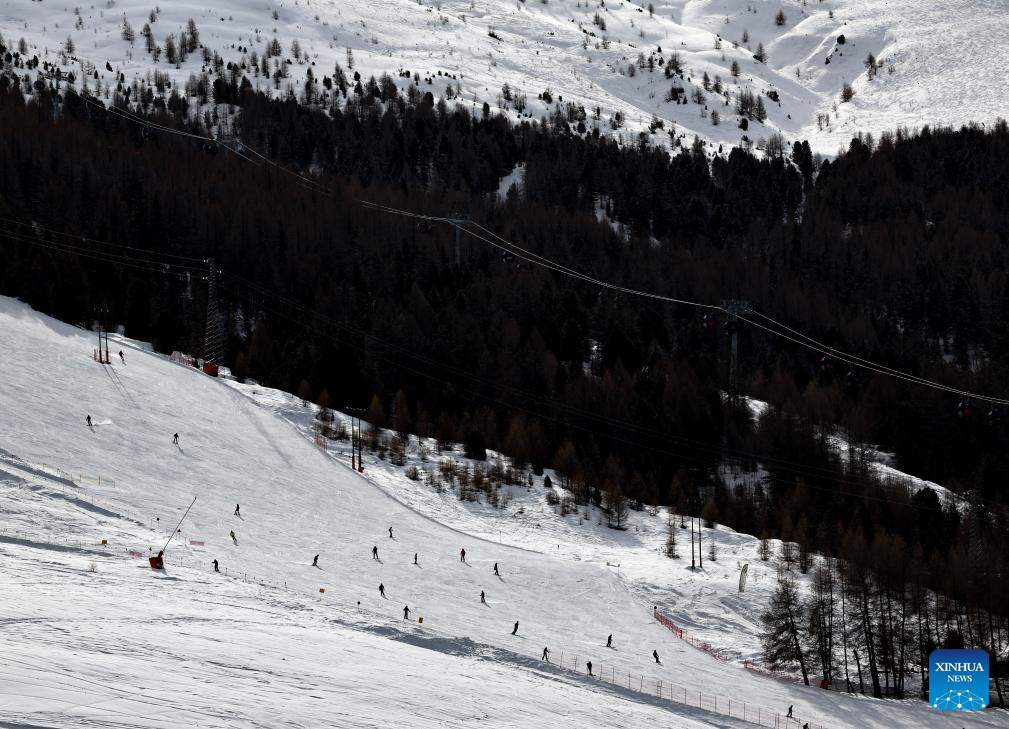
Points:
(895, 251)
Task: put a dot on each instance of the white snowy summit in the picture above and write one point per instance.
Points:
(822, 71)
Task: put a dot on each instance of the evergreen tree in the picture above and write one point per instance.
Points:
(780, 636)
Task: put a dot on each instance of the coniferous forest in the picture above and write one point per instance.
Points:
(896, 251)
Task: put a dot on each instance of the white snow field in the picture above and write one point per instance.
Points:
(939, 62)
(93, 637)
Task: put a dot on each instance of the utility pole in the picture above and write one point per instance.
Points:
(700, 555)
(458, 220)
(101, 315)
(356, 444)
(693, 562)
(105, 315)
(734, 307)
(212, 335)
(98, 317)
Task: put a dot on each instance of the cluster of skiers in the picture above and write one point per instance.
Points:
(406, 608)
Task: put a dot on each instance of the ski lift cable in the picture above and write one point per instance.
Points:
(690, 446)
(851, 358)
(32, 225)
(106, 256)
(801, 340)
(534, 258)
(140, 264)
(687, 453)
(807, 342)
(141, 121)
(541, 401)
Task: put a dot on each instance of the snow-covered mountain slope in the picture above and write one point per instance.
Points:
(234, 653)
(938, 62)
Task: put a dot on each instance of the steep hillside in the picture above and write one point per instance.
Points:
(295, 502)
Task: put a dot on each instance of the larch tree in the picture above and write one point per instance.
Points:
(779, 636)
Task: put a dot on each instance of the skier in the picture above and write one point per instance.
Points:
(609, 641)
(89, 421)
(515, 630)
(806, 725)
(233, 538)
(789, 714)
(589, 666)
(237, 511)
(482, 598)
(415, 558)
(546, 655)
(655, 655)
(462, 555)
(390, 532)
(495, 570)
(122, 357)
(374, 552)
(216, 568)
(406, 612)
(175, 440)
(315, 561)
(381, 589)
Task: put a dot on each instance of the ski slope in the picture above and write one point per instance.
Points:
(123, 645)
(940, 63)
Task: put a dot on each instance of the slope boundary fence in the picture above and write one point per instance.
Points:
(680, 633)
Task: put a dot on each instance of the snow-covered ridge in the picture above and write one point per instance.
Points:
(937, 63)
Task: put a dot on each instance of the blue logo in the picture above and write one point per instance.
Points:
(958, 679)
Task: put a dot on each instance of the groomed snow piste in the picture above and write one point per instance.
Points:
(93, 637)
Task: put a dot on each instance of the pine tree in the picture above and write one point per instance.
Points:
(616, 502)
(402, 419)
(193, 34)
(779, 636)
(761, 54)
(305, 393)
(376, 413)
(127, 32)
(171, 52)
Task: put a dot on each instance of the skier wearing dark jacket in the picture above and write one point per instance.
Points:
(406, 612)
